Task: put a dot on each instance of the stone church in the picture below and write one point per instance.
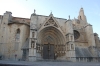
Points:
(48, 38)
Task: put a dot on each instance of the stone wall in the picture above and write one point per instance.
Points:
(7, 37)
(9, 48)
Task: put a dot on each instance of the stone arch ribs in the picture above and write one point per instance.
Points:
(52, 32)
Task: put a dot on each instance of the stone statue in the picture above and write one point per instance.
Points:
(69, 16)
(34, 11)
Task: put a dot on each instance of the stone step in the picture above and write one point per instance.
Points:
(52, 60)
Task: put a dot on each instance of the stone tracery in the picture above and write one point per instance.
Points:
(51, 22)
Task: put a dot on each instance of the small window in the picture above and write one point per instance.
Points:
(80, 17)
(71, 46)
(18, 30)
(17, 35)
(71, 38)
(33, 34)
(17, 39)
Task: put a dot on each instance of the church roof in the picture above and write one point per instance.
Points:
(54, 17)
(21, 19)
(83, 52)
(25, 21)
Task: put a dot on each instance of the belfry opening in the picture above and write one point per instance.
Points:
(51, 43)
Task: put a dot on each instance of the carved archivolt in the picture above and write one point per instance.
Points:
(51, 22)
(51, 35)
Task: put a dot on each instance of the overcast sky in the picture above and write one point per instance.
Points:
(59, 8)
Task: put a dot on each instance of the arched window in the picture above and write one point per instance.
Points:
(80, 17)
(71, 38)
(17, 39)
(72, 46)
(32, 34)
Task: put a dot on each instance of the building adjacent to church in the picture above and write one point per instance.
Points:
(47, 37)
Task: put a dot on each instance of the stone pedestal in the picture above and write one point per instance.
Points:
(32, 55)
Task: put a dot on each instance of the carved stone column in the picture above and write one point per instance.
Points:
(70, 52)
(33, 38)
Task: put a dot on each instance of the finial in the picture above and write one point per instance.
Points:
(34, 11)
(81, 7)
(51, 12)
(69, 16)
(74, 18)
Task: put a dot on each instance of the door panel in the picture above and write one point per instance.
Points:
(48, 51)
(51, 56)
(45, 52)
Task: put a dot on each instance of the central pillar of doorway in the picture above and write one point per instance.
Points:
(33, 37)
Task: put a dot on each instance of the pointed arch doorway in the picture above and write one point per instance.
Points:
(51, 42)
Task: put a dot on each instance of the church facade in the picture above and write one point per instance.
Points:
(47, 37)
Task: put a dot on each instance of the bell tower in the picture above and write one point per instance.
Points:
(82, 16)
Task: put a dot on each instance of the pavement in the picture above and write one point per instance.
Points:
(47, 63)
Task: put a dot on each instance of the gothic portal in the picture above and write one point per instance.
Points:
(51, 40)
